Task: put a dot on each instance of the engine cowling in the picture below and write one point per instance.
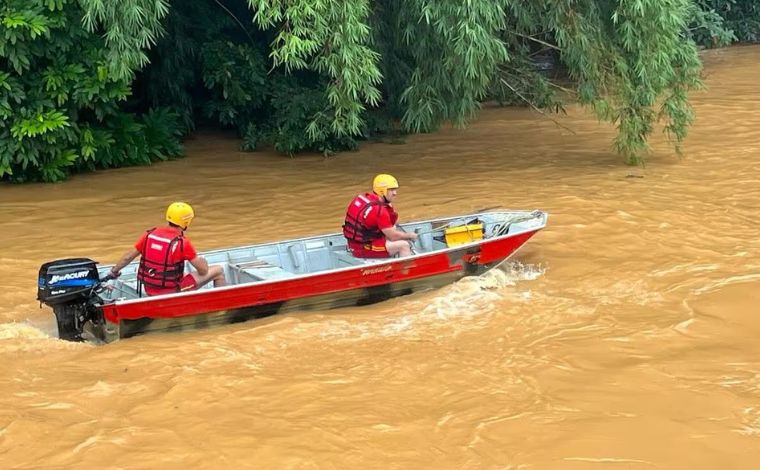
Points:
(68, 286)
(67, 280)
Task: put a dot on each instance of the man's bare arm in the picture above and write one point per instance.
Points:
(125, 260)
(200, 264)
(393, 234)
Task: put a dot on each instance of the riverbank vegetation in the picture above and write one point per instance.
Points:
(93, 84)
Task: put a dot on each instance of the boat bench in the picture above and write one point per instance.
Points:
(346, 259)
(259, 270)
(125, 289)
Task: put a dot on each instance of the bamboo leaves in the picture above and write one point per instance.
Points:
(131, 27)
(427, 62)
(331, 38)
(455, 49)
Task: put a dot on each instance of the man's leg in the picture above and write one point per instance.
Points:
(398, 247)
(215, 273)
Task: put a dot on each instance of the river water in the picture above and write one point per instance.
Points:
(623, 335)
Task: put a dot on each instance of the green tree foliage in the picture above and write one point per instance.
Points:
(631, 61)
(212, 67)
(707, 28)
(720, 22)
(313, 74)
(331, 38)
(59, 101)
(424, 62)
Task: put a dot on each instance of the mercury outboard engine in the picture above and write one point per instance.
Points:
(69, 287)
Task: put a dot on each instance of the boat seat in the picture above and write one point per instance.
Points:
(346, 259)
(260, 270)
(125, 288)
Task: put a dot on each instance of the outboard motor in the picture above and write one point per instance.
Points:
(68, 286)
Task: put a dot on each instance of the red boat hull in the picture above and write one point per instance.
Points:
(320, 291)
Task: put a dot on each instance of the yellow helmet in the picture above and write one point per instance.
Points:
(382, 183)
(180, 214)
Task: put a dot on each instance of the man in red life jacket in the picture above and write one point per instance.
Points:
(163, 252)
(370, 225)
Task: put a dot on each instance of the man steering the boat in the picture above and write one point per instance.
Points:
(370, 226)
(163, 252)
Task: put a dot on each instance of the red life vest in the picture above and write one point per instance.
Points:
(361, 218)
(158, 268)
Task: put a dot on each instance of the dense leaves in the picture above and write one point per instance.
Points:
(720, 22)
(98, 83)
(632, 62)
(213, 68)
(60, 104)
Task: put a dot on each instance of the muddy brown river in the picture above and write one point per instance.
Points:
(624, 335)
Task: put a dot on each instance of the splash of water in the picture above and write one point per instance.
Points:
(26, 337)
(472, 297)
(16, 330)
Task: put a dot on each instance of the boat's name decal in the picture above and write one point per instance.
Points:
(381, 269)
(65, 277)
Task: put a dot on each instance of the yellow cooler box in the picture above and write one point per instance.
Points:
(465, 234)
